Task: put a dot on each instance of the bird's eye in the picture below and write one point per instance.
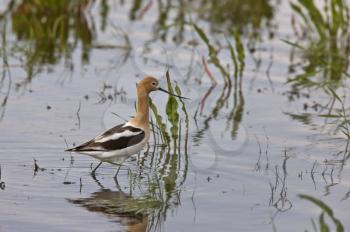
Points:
(154, 83)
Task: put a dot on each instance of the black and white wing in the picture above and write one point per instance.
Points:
(116, 138)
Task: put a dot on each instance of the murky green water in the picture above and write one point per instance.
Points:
(270, 129)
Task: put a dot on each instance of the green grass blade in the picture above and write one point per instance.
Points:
(202, 35)
(160, 123)
(314, 225)
(315, 16)
(323, 226)
(171, 111)
(234, 59)
(335, 94)
(326, 209)
(293, 44)
(240, 52)
(213, 53)
(297, 9)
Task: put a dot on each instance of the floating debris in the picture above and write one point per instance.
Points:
(68, 182)
(37, 168)
(2, 184)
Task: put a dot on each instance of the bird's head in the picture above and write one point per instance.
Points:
(150, 84)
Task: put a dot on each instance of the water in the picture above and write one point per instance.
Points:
(250, 150)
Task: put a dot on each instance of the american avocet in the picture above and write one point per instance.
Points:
(120, 142)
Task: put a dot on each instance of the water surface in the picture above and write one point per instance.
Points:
(251, 147)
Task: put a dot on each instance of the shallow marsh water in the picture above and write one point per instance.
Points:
(251, 148)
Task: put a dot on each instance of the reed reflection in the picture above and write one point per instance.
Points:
(319, 63)
(49, 31)
(249, 17)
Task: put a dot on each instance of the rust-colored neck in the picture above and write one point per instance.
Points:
(142, 112)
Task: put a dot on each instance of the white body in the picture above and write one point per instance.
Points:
(118, 156)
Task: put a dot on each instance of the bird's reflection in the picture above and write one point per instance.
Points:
(111, 203)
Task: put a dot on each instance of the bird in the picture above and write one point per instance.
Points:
(124, 140)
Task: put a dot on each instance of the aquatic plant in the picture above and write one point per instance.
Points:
(238, 60)
(250, 17)
(46, 39)
(323, 43)
(172, 116)
(212, 52)
(5, 78)
(47, 32)
(340, 116)
(237, 54)
(171, 111)
(323, 226)
(159, 122)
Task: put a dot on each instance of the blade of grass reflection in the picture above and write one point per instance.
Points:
(212, 53)
(236, 114)
(208, 92)
(343, 115)
(240, 52)
(104, 10)
(315, 16)
(298, 9)
(135, 7)
(185, 170)
(8, 9)
(326, 42)
(162, 19)
(179, 145)
(5, 72)
(49, 31)
(238, 61)
(219, 104)
(234, 60)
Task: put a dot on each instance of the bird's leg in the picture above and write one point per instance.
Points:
(119, 166)
(116, 174)
(117, 183)
(97, 181)
(93, 171)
